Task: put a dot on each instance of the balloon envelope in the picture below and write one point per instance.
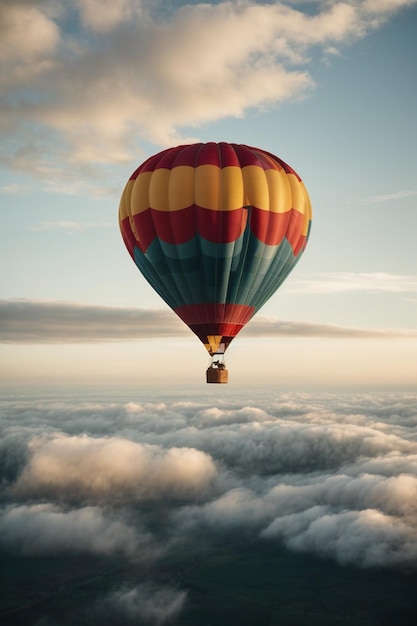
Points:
(215, 229)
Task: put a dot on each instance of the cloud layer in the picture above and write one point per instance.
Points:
(150, 486)
(26, 321)
(324, 474)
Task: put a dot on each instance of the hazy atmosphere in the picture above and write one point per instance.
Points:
(131, 491)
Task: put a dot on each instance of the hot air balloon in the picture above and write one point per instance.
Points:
(215, 228)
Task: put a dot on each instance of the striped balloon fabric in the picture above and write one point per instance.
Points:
(215, 228)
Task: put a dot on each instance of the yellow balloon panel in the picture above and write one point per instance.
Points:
(158, 189)
(139, 200)
(298, 198)
(213, 344)
(219, 189)
(279, 189)
(231, 188)
(256, 187)
(123, 212)
(181, 187)
(207, 187)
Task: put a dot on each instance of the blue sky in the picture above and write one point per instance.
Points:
(92, 89)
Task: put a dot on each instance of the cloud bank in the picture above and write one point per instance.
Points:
(89, 79)
(324, 474)
(152, 494)
(26, 321)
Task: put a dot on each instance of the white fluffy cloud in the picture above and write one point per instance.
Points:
(365, 538)
(94, 78)
(29, 37)
(84, 467)
(39, 529)
(367, 521)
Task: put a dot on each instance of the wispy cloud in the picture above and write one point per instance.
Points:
(70, 227)
(25, 321)
(125, 71)
(15, 189)
(363, 282)
(387, 197)
(145, 603)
